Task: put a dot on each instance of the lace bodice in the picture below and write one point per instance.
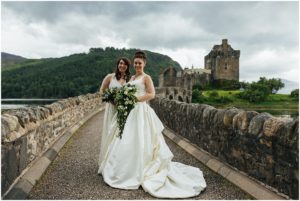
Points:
(140, 85)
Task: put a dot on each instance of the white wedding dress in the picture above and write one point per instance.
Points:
(142, 157)
(109, 122)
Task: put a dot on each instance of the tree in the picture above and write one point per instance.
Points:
(197, 96)
(96, 50)
(255, 92)
(273, 84)
(72, 75)
(295, 94)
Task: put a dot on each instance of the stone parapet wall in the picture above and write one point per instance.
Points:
(264, 147)
(28, 132)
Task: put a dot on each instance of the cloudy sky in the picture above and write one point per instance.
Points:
(266, 33)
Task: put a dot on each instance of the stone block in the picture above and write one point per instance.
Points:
(37, 169)
(9, 124)
(9, 165)
(224, 171)
(273, 125)
(20, 191)
(214, 164)
(242, 120)
(23, 154)
(228, 116)
(257, 123)
(251, 187)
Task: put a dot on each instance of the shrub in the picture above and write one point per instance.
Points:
(197, 86)
(255, 92)
(295, 94)
(197, 96)
(273, 84)
(226, 84)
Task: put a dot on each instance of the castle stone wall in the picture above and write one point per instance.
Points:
(262, 146)
(170, 78)
(174, 93)
(227, 69)
(28, 132)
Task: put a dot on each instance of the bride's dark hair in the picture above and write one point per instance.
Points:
(127, 72)
(140, 55)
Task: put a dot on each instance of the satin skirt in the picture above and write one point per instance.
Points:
(106, 134)
(142, 158)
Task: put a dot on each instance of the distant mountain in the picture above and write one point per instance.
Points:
(288, 87)
(74, 74)
(10, 59)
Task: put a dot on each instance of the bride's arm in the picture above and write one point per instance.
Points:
(105, 83)
(150, 90)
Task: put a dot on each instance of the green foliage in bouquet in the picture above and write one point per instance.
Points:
(109, 95)
(125, 101)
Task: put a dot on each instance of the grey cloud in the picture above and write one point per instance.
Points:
(249, 26)
(53, 11)
(238, 21)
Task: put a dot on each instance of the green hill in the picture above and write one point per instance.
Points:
(72, 75)
(10, 60)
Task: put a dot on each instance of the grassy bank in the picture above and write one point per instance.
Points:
(276, 104)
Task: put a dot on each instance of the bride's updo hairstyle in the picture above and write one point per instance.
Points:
(140, 55)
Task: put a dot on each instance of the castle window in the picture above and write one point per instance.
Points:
(225, 66)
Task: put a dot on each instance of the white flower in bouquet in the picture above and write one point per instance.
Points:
(125, 101)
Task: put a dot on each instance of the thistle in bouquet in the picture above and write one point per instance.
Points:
(109, 95)
(125, 102)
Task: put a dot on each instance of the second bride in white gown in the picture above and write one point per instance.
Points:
(142, 157)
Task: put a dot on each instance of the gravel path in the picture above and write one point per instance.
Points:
(73, 174)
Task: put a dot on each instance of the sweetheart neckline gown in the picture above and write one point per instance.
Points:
(142, 157)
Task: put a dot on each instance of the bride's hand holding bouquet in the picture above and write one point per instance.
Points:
(109, 95)
(124, 99)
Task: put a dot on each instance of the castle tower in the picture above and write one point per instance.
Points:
(223, 61)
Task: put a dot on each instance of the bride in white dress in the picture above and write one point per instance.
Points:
(141, 157)
(117, 79)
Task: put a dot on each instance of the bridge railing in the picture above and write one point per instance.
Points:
(262, 146)
(28, 132)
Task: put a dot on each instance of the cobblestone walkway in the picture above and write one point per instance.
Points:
(73, 174)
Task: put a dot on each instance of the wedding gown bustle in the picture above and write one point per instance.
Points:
(142, 157)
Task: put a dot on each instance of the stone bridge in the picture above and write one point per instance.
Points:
(51, 151)
(175, 93)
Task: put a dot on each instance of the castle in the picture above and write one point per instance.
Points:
(222, 63)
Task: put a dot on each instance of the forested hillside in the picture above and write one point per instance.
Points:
(72, 75)
(10, 59)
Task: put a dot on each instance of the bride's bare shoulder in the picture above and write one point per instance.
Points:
(148, 76)
(110, 75)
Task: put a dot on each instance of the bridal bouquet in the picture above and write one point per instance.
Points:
(109, 95)
(125, 101)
